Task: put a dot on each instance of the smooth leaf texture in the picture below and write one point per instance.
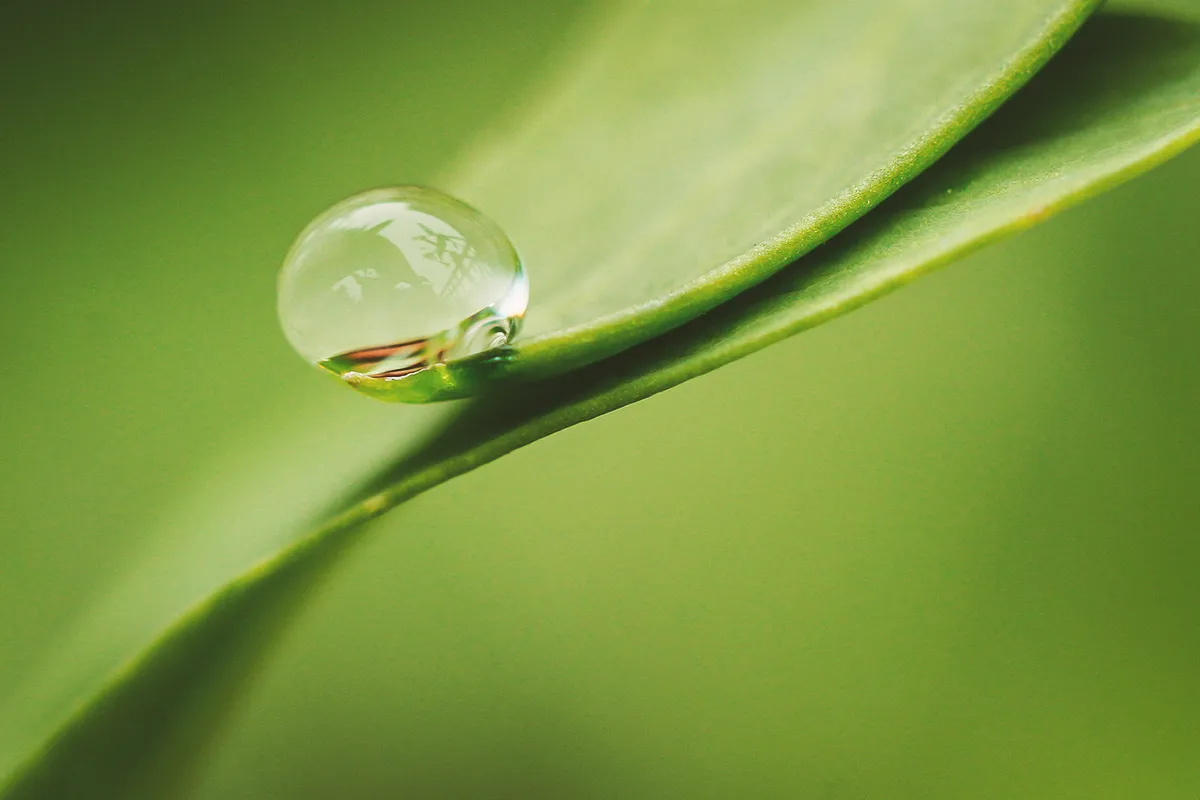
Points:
(692, 152)
(1122, 97)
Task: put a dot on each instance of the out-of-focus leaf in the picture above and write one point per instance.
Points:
(1122, 98)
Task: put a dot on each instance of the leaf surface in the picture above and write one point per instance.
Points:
(693, 150)
(160, 666)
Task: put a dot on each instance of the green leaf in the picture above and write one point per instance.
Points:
(691, 152)
(140, 689)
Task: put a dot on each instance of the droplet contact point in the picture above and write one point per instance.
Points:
(392, 283)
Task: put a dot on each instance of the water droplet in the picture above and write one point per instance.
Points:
(390, 282)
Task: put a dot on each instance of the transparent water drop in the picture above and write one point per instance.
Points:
(390, 282)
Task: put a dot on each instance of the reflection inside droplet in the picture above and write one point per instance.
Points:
(390, 282)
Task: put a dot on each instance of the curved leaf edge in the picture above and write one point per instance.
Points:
(602, 388)
(569, 349)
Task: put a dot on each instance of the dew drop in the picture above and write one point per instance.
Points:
(391, 282)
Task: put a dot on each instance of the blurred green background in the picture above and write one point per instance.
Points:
(943, 547)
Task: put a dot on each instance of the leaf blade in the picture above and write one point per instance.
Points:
(1149, 109)
(719, 157)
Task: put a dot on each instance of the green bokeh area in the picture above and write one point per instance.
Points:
(943, 547)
